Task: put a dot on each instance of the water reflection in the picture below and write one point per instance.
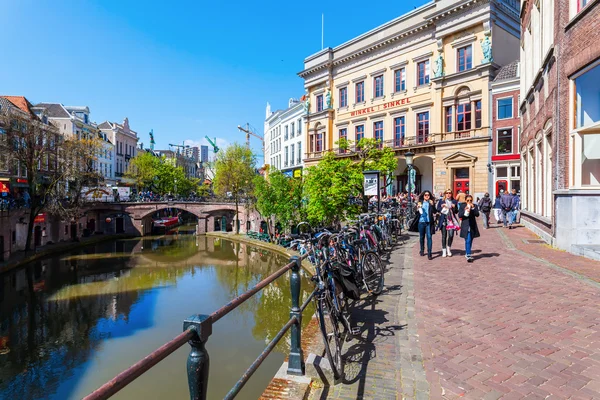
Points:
(70, 322)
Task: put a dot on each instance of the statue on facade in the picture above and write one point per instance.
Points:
(486, 48)
(328, 99)
(307, 105)
(438, 66)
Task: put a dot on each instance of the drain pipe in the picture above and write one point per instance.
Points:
(556, 135)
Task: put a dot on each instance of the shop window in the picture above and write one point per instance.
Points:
(515, 172)
(516, 185)
(505, 108)
(504, 141)
(465, 58)
(343, 97)
(590, 159)
(587, 87)
(502, 172)
(360, 92)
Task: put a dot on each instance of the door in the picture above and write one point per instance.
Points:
(1, 248)
(74, 231)
(37, 236)
(461, 180)
(224, 223)
(119, 225)
(501, 185)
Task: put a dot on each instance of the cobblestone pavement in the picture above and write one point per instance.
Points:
(386, 354)
(511, 324)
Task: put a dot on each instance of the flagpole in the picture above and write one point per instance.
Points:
(322, 30)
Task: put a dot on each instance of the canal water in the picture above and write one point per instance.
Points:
(71, 322)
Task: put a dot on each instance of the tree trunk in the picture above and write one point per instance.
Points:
(32, 215)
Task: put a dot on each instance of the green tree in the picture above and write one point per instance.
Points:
(264, 199)
(234, 174)
(328, 187)
(160, 175)
(279, 196)
(374, 157)
(143, 169)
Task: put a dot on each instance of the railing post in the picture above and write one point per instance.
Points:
(296, 358)
(198, 361)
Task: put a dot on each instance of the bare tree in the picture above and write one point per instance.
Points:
(55, 167)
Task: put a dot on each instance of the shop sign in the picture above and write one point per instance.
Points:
(4, 188)
(40, 218)
(288, 173)
(381, 107)
(297, 173)
(21, 180)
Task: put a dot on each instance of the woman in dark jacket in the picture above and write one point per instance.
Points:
(426, 211)
(448, 208)
(468, 227)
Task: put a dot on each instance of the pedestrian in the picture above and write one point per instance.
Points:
(506, 204)
(468, 212)
(515, 206)
(427, 212)
(460, 197)
(448, 208)
(485, 205)
(498, 208)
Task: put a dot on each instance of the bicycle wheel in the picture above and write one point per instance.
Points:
(372, 272)
(330, 329)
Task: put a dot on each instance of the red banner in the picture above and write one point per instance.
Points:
(40, 218)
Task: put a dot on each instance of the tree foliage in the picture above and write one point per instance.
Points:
(234, 174)
(160, 175)
(279, 196)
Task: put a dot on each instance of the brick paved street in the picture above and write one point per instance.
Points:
(509, 325)
(522, 321)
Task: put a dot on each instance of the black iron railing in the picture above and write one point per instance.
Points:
(198, 328)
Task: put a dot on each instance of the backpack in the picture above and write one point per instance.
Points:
(345, 274)
(486, 204)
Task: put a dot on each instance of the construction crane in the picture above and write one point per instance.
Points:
(248, 130)
(213, 144)
(182, 146)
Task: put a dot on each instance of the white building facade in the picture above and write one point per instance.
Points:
(284, 138)
(125, 141)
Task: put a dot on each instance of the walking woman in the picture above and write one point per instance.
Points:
(448, 209)
(427, 212)
(468, 228)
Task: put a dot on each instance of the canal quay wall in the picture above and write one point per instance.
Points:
(21, 258)
(284, 386)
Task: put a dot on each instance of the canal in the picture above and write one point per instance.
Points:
(70, 322)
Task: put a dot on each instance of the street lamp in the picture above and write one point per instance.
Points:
(409, 163)
(175, 188)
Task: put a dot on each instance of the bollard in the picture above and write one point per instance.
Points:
(198, 361)
(296, 358)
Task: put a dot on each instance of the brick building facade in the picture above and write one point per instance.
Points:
(560, 106)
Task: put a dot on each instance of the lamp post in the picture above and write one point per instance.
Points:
(409, 163)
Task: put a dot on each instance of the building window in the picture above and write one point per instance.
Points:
(286, 134)
(399, 132)
(449, 119)
(504, 141)
(423, 72)
(465, 58)
(400, 80)
(463, 117)
(360, 133)
(292, 131)
(581, 4)
(378, 86)
(299, 126)
(505, 108)
(292, 153)
(286, 156)
(343, 97)
(478, 114)
(319, 145)
(299, 152)
(423, 127)
(343, 139)
(320, 103)
(378, 133)
(360, 92)
(587, 113)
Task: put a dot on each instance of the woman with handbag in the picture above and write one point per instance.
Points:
(426, 213)
(448, 223)
(468, 227)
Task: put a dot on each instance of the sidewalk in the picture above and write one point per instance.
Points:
(521, 321)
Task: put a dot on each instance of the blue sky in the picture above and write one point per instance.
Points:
(185, 69)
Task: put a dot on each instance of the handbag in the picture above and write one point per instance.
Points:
(414, 224)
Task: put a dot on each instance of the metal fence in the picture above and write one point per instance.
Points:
(198, 328)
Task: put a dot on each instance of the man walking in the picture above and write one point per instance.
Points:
(506, 204)
(515, 205)
(460, 197)
(498, 208)
(485, 205)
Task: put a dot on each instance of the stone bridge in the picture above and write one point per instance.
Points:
(136, 218)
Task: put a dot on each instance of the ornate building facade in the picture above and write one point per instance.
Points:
(420, 82)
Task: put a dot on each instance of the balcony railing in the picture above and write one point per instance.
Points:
(406, 142)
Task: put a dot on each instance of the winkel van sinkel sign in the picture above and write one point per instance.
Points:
(371, 183)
